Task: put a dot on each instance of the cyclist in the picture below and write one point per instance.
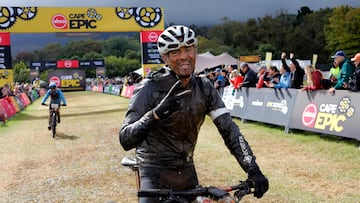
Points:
(165, 115)
(56, 96)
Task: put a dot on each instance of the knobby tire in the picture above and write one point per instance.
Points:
(53, 125)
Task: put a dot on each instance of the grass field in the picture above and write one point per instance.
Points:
(82, 164)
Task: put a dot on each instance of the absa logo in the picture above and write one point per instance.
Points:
(59, 21)
(309, 115)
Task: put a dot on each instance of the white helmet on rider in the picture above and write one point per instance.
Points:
(174, 37)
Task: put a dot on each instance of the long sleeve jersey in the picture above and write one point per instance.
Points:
(171, 142)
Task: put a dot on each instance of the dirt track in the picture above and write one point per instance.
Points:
(80, 165)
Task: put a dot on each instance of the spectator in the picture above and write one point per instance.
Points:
(331, 81)
(211, 76)
(354, 83)
(314, 78)
(297, 73)
(273, 77)
(229, 70)
(334, 73)
(249, 76)
(346, 71)
(225, 81)
(262, 73)
(285, 79)
(221, 80)
(236, 78)
(6, 91)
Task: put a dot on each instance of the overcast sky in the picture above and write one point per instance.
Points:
(198, 12)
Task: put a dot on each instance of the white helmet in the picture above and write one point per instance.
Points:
(175, 37)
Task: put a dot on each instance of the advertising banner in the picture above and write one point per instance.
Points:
(319, 111)
(80, 19)
(235, 100)
(5, 50)
(150, 54)
(45, 65)
(67, 64)
(68, 79)
(266, 105)
(6, 77)
(270, 105)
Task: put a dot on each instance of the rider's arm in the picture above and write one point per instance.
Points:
(45, 97)
(138, 120)
(230, 133)
(62, 97)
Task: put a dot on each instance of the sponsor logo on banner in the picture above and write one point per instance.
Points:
(328, 116)
(153, 36)
(278, 106)
(56, 80)
(75, 21)
(68, 64)
(71, 80)
(59, 21)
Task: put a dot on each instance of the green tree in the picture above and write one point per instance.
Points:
(116, 66)
(21, 72)
(215, 46)
(120, 45)
(24, 56)
(342, 32)
(80, 48)
(91, 72)
(311, 34)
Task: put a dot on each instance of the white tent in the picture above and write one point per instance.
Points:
(208, 60)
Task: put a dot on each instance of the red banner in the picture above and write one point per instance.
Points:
(150, 36)
(67, 64)
(4, 39)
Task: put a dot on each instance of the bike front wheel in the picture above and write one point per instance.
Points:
(53, 124)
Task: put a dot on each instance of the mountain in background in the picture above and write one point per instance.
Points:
(34, 41)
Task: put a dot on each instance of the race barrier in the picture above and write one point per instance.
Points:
(112, 89)
(9, 106)
(316, 111)
(128, 91)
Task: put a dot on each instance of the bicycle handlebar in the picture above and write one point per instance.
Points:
(48, 104)
(240, 190)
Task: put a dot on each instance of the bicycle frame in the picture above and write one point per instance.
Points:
(53, 118)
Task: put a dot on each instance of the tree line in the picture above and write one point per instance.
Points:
(308, 32)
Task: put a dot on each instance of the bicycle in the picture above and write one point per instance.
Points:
(53, 118)
(201, 194)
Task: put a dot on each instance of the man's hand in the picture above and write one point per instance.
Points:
(260, 182)
(170, 103)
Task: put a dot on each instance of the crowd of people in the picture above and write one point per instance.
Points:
(28, 88)
(343, 75)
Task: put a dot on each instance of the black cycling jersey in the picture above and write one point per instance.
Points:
(171, 142)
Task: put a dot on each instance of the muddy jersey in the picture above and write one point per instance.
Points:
(171, 142)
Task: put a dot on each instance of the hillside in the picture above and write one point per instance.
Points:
(34, 41)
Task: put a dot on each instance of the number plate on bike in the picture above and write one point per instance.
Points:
(54, 106)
